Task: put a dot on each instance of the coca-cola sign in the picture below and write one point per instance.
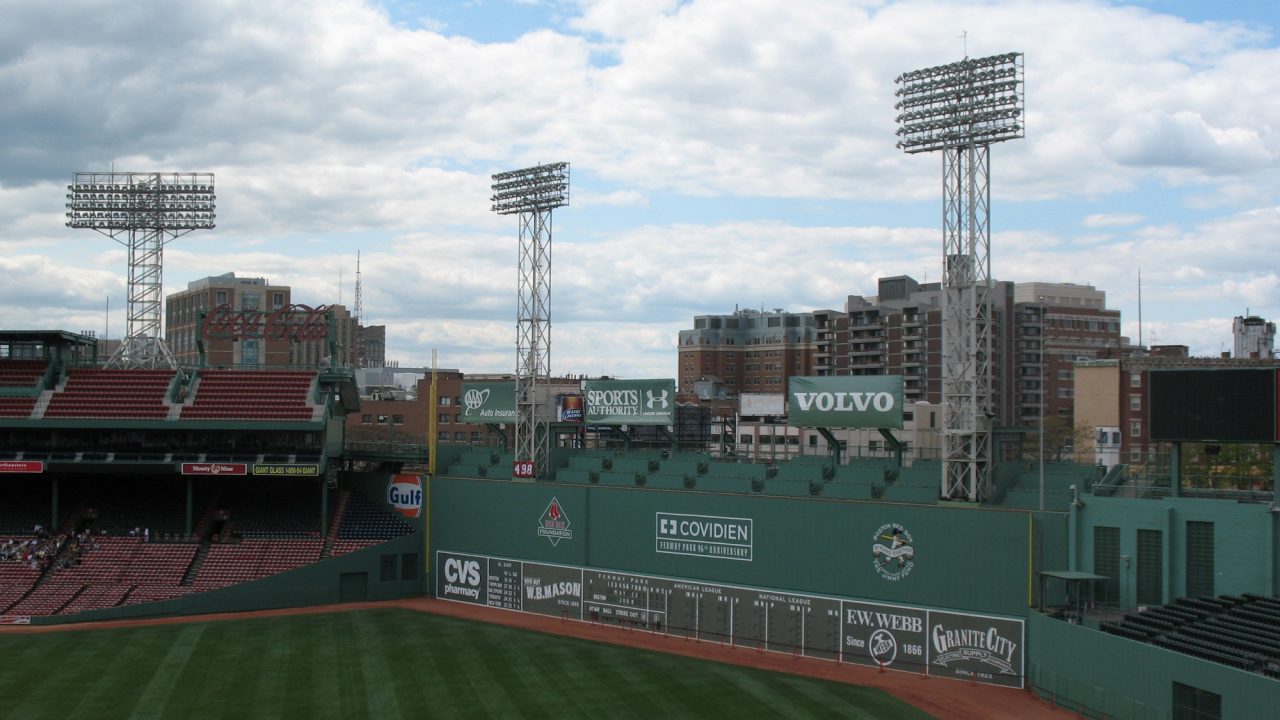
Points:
(296, 323)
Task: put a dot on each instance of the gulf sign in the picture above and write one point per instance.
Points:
(404, 493)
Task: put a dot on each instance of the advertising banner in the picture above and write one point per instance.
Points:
(939, 643)
(489, 403)
(865, 401)
(762, 405)
(569, 408)
(214, 468)
(630, 402)
(21, 466)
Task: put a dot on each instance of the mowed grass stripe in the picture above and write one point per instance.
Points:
(391, 664)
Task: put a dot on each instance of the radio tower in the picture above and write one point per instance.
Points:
(961, 109)
(532, 193)
(358, 312)
(143, 212)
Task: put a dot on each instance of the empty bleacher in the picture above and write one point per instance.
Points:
(253, 559)
(112, 393)
(21, 373)
(264, 395)
(364, 524)
(1239, 631)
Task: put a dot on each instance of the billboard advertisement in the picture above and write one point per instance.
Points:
(630, 402)
(866, 401)
(486, 403)
(569, 408)
(937, 643)
(760, 404)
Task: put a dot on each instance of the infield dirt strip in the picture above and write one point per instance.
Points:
(947, 699)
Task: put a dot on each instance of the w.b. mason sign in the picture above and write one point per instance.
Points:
(864, 401)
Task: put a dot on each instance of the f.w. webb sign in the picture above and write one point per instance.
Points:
(857, 402)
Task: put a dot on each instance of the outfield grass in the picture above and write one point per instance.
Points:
(389, 664)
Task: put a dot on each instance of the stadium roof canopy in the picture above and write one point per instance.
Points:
(46, 337)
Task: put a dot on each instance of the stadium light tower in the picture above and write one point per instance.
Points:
(961, 109)
(143, 212)
(532, 193)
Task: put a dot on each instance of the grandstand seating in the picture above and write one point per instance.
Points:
(16, 407)
(112, 393)
(252, 559)
(106, 575)
(1242, 632)
(21, 373)
(252, 395)
(16, 578)
(364, 519)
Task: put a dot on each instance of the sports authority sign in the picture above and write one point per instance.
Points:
(723, 538)
(630, 402)
(21, 466)
(215, 469)
(486, 403)
(865, 401)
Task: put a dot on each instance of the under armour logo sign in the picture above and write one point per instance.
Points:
(659, 400)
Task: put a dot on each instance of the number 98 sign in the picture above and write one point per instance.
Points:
(523, 469)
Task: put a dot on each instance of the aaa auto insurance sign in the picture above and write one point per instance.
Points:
(848, 401)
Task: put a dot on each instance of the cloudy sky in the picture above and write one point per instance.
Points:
(724, 153)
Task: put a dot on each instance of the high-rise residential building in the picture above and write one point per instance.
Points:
(1254, 337)
(748, 351)
(1076, 326)
(1038, 332)
(373, 346)
(239, 322)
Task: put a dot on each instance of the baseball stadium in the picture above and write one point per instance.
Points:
(212, 536)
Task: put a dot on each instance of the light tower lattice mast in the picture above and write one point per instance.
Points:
(532, 193)
(961, 109)
(143, 212)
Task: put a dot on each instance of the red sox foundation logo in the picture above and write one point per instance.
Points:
(554, 523)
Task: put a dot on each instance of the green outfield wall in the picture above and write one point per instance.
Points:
(1111, 676)
(1205, 547)
(973, 559)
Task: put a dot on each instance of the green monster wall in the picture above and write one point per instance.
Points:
(970, 559)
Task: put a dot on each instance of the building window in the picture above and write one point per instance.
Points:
(446, 401)
(443, 417)
(220, 297)
(1135, 428)
(1135, 402)
(1135, 379)
(277, 301)
(249, 301)
(397, 419)
(366, 419)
